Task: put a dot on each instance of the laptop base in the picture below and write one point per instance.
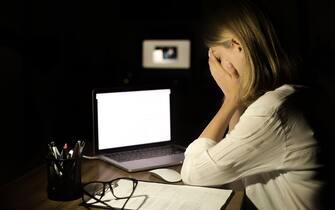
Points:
(146, 164)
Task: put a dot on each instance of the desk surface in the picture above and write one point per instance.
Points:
(29, 191)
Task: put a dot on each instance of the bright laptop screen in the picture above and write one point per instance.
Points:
(133, 118)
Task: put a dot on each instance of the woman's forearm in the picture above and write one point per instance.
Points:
(235, 118)
(218, 125)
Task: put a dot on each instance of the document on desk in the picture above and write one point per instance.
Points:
(153, 196)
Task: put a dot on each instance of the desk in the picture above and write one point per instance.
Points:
(29, 191)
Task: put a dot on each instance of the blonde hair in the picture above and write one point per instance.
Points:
(270, 66)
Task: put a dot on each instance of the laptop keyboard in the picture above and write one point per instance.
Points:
(144, 153)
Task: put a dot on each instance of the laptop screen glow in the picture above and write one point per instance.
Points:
(133, 118)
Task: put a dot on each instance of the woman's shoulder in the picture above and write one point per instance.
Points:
(270, 101)
(274, 97)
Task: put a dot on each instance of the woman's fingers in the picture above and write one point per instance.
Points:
(226, 70)
(230, 69)
(214, 64)
(225, 75)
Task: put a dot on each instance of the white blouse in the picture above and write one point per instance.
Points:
(275, 164)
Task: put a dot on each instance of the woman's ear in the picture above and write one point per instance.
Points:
(237, 45)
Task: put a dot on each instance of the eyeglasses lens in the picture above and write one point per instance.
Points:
(94, 189)
(122, 188)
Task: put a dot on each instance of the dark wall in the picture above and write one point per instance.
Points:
(54, 53)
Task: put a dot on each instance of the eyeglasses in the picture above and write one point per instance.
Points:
(96, 194)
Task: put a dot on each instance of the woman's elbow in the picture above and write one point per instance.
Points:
(190, 179)
(190, 175)
(193, 173)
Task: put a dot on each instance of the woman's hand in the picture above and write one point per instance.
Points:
(226, 77)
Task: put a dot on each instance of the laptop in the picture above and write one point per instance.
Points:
(132, 128)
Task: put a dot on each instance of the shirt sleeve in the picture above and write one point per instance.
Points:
(254, 146)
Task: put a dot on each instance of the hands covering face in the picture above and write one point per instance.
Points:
(226, 77)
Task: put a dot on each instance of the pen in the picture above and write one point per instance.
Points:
(82, 145)
(51, 152)
(55, 151)
(70, 154)
(76, 149)
(65, 151)
(58, 172)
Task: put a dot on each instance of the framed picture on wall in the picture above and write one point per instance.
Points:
(166, 54)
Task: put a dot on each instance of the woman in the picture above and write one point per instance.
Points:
(254, 138)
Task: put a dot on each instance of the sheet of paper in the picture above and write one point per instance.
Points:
(153, 196)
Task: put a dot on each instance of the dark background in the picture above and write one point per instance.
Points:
(53, 53)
